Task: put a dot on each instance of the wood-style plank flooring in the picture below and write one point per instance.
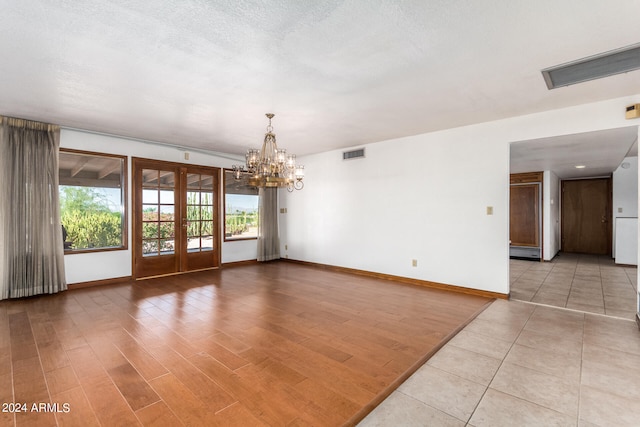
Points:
(269, 344)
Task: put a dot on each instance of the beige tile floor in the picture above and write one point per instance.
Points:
(525, 364)
(582, 282)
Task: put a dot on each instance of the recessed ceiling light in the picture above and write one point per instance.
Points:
(593, 67)
(580, 166)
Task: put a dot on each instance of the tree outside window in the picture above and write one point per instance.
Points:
(92, 194)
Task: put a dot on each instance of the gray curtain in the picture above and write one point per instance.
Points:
(31, 248)
(268, 238)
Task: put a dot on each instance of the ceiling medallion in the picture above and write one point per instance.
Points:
(270, 167)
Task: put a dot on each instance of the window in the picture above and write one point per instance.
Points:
(240, 209)
(92, 194)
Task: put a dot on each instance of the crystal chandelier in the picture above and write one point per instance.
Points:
(270, 167)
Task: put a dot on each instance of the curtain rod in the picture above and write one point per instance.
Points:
(161, 144)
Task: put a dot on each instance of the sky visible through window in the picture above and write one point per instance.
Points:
(242, 203)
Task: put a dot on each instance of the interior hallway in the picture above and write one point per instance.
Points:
(590, 283)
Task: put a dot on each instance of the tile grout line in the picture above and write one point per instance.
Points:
(542, 283)
(573, 277)
(584, 325)
(500, 366)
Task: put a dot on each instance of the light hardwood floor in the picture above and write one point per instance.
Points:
(269, 344)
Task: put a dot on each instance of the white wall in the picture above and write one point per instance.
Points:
(105, 265)
(625, 193)
(425, 197)
(422, 197)
(551, 215)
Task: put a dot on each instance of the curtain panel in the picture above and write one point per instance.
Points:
(31, 253)
(268, 235)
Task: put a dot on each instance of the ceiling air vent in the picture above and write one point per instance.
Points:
(593, 67)
(355, 154)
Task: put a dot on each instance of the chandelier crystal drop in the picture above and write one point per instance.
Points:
(270, 167)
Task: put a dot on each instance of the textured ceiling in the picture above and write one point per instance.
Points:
(337, 73)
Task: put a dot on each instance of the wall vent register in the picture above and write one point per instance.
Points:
(354, 154)
(593, 67)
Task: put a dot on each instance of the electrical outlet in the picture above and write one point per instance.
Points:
(286, 247)
(414, 262)
(489, 210)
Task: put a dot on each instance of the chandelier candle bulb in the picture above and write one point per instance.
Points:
(270, 167)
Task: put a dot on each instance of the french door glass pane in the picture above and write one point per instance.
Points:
(149, 230)
(193, 244)
(167, 179)
(207, 198)
(166, 197)
(200, 203)
(167, 212)
(167, 246)
(207, 243)
(158, 212)
(150, 196)
(150, 247)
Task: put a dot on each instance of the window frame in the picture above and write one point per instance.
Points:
(229, 173)
(123, 204)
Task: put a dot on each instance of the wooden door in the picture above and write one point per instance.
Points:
(586, 216)
(524, 221)
(175, 218)
(199, 218)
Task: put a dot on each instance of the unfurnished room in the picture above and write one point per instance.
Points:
(333, 213)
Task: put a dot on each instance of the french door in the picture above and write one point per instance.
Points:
(176, 219)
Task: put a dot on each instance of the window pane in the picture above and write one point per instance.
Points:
(193, 213)
(149, 212)
(167, 212)
(166, 197)
(241, 209)
(207, 212)
(150, 196)
(207, 227)
(193, 228)
(207, 243)
(149, 230)
(207, 198)
(91, 200)
(167, 179)
(193, 244)
(167, 247)
(207, 183)
(150, 177)
(167, 229)
(193, 197)
(193, 180)
(149, 247)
